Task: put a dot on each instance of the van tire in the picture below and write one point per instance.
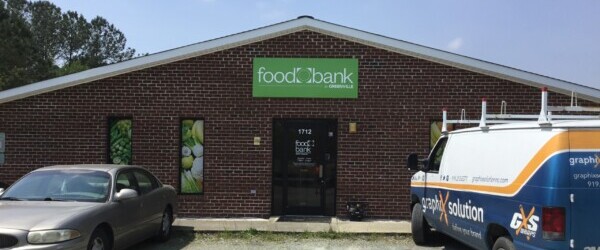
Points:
(503, 243)
(421, 231)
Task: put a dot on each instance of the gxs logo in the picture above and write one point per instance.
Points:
(525, 224)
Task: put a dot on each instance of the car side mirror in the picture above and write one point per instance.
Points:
(125, 194)
(413, 162)
(1, 191)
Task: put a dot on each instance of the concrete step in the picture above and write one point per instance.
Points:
(273, 225)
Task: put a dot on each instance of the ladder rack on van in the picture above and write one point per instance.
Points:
(544, 118)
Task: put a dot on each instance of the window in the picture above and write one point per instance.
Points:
(62, 185)
(145, 182)
(435, 159)
(125, 180)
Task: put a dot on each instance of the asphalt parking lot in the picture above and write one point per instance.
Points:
(266, 240)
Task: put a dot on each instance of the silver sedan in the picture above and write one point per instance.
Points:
(85, 207)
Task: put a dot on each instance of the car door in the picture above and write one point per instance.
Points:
(128, 218)
(152, 202)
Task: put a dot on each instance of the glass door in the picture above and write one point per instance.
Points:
(304, 166)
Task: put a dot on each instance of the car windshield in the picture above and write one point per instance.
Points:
(61, 185)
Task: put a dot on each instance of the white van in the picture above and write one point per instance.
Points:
(527, 185)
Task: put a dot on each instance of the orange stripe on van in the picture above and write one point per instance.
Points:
(560, 142)
(585, 139)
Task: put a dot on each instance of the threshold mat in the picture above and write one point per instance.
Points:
(295, 218)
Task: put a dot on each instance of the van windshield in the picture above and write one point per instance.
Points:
(436, 155)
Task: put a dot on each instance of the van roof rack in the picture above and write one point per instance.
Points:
(544, 118)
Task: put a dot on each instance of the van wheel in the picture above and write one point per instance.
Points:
(503, 243)
(421, 231)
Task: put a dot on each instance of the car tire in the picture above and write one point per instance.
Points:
(503, 243)
(99, 240)
(421, 230)
(164, 232)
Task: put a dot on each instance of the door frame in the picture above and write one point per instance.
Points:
(324, 212)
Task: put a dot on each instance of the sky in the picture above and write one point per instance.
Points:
(555, 38)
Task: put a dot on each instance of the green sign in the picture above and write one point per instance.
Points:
(305, 77)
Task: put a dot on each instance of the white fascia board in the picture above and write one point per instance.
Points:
(458, 61)
(292, 26)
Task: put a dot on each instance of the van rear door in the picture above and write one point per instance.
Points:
(584, 164)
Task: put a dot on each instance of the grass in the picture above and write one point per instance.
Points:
(253, 234)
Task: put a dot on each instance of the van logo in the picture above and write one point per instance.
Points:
(585, 160)
(464, 210)
(443, 212)
(525, 225)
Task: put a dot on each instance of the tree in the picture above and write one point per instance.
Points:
(16, 48)
(106, 44)
(38, 41)
(75, 32)
(45, 20)
(16, 8)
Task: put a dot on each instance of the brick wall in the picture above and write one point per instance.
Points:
(398, 97)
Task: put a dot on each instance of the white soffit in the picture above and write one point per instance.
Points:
(292, 26)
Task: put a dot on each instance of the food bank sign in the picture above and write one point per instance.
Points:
(305, 77)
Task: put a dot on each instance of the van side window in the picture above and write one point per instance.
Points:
(436, 155)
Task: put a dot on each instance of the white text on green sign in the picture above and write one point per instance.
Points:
(305, 77)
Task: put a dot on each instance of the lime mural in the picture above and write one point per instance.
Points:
(435, 132)
(119, 141)
(192, 157)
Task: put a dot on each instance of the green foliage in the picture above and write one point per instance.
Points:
(74, 32)
(17, 52)
(45, 23)
(38, 41)
(106, 44)
(73, 67)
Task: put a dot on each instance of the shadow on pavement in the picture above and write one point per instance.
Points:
(442, 241)
(188, 240)
(179, 240)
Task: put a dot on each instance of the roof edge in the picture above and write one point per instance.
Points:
(159, 58)
(460, 61)
(291, 26)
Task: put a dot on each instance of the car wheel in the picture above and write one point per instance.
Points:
(421, 231)
(503, 243)
(164, 232)
(99, 240)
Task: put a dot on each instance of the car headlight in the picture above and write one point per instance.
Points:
(52, 236)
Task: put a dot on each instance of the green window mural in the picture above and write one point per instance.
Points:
(192, 156)
(435, 132)
(119, 140)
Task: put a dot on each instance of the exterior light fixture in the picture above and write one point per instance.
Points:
(352, 128)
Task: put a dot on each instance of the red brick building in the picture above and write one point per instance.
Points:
(255, 155)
